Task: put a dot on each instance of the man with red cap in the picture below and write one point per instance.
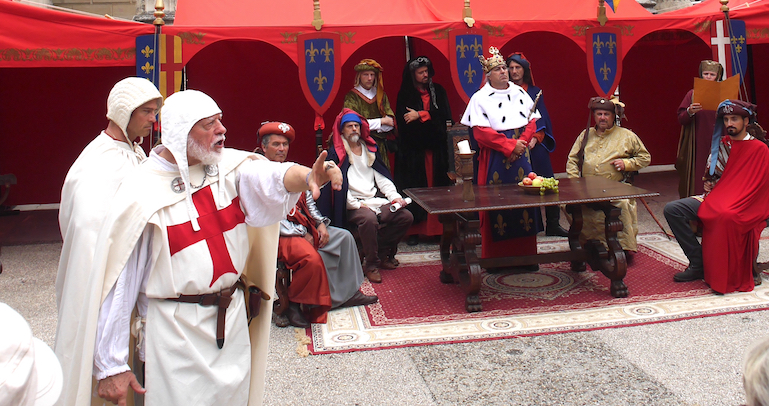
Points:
(364, 179)
(323, 259)
(733, 209)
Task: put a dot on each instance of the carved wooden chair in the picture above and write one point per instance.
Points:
(279, 306)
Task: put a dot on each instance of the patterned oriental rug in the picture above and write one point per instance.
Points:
(415, 308)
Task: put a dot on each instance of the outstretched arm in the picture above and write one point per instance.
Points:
(300, 178)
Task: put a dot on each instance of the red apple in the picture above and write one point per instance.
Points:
(527, 181)
(532, 175)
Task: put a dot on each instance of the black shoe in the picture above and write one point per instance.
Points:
(295, 316)
(555, 230)
(689, 275)
(413, 240)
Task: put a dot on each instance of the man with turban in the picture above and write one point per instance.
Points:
(86, 197)
(358, 203)
(422, 113)
(174, 247)
(503, 120)
(612, 152)
(325, 267)
(543, 142)
(733, 210)
(696, 130)
(369, 100)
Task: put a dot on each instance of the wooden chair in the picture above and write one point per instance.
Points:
(279, 306)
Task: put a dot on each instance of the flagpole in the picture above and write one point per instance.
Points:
(733, 53)
(158, 23)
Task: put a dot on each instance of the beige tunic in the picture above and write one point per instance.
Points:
(600, 153)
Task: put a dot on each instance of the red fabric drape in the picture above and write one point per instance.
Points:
(733, 215)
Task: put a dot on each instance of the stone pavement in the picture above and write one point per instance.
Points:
(690, 362)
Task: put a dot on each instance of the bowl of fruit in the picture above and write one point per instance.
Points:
(534, 184)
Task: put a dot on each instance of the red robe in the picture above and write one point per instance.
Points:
(733, 215)
(488, 140)
(309, 281)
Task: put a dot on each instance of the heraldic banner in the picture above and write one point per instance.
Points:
(466, 70)
(162, 66)
(729, 44)
(604, 64)
(319, 70)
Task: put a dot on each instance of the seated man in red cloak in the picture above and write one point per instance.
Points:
(323, 259)
(733, 210)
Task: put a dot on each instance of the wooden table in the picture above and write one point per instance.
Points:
(461, 232)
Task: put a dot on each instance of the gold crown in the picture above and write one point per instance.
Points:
(495, 60)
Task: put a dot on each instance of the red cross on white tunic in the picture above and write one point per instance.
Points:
(213, 224)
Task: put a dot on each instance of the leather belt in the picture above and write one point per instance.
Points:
(219, 299)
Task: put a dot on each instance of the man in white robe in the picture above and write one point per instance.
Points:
(174, 247)
(86, 197)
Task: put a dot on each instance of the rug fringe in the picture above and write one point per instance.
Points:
(303, 342)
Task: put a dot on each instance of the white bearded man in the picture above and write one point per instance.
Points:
(175, 249)
(86, 197)
(323, 259)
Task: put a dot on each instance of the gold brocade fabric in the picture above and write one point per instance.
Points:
(600, 153)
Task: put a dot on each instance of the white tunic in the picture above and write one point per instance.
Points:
(86, 197)
(184, 364)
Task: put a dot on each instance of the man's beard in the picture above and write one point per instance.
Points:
(732, 131)
(353, 139)
(205, 155)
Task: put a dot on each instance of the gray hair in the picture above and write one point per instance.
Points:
(755, 374)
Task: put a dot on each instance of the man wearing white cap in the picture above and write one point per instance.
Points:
(30, 374)
(175, 245)
(86, 197)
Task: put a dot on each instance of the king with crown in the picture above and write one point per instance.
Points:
(502, 119)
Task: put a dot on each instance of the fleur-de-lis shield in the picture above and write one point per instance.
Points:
(604, 58)
(147, 58)
(319, 68)
(466, 70)
(160, 61)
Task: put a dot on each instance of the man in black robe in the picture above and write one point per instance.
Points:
(422, 113)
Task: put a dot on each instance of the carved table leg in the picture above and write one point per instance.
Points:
(449, 233)
(575, 210)
(611, 263)
(470, 273)
(460, 262)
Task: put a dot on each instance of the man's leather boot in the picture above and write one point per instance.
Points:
(689, 275)
(553, 228)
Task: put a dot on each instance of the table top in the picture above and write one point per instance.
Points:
(448, 199)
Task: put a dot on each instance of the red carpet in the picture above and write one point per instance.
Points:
(415, 308)
(414, 294)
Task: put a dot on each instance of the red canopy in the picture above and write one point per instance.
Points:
(38, 37)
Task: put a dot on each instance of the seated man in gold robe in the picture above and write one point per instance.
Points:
(613, 152)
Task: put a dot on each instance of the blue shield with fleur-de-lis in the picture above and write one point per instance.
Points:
(147, 58)
(466, 69)
(604, 58)
(319, 68)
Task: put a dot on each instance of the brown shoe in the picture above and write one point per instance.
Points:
(359, 299)
(373, 275)
(394, 261)
(387, 264)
